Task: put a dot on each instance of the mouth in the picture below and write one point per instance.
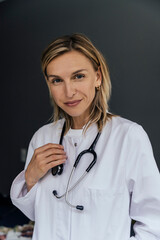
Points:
(72, 103)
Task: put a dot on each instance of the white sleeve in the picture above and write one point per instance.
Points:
(22, 199)
(143, 181)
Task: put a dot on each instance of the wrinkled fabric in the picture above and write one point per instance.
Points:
(123, 185)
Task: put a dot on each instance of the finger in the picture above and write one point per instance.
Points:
(54, 158)
(49, 146)
(53, 151)
(54, 164)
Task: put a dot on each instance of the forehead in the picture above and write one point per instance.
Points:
(69, 62)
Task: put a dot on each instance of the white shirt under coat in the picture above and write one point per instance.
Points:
(123, 185)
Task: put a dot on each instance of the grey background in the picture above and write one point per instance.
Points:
(127, 32)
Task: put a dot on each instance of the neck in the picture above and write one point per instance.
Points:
(78, 123)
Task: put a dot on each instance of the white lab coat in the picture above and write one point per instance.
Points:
(123, 185)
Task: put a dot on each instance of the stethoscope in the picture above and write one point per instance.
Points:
(59, 169)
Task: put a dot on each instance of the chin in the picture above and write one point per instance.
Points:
(73, 115)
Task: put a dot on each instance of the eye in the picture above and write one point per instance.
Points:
(55, 81)
(79, 76)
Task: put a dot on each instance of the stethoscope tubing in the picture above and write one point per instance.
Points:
(59, 170)
(74, 185)
(79, 207)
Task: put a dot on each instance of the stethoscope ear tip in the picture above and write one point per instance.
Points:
(79, 207)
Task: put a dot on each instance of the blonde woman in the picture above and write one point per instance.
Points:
(88, 173)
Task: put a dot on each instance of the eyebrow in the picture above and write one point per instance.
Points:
(71, 74)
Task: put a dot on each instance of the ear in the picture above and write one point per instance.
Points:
(98, 77)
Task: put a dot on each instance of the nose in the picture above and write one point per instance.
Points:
(69, 89)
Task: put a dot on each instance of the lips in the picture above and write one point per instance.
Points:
(72, 103)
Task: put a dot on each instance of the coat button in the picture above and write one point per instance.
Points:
(75, 144)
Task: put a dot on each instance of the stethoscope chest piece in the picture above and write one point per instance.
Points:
(57, 170)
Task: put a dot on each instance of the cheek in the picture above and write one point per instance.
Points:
(92, 95)
(54, 94)
(88, 89)
(91, 90)
(89, 94)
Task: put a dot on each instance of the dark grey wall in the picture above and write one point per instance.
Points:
(126, 31)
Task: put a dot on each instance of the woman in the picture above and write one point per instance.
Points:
(123, 184)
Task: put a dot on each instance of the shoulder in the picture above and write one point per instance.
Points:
(129, 137)
(47, 133)
(118, 123)
(122, 127)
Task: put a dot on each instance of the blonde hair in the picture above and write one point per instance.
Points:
(79, 42)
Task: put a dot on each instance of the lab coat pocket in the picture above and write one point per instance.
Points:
(101, 209)
(103, 198)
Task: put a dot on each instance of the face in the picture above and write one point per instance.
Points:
(72, 81)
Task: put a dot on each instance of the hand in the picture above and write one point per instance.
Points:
(43, 159)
